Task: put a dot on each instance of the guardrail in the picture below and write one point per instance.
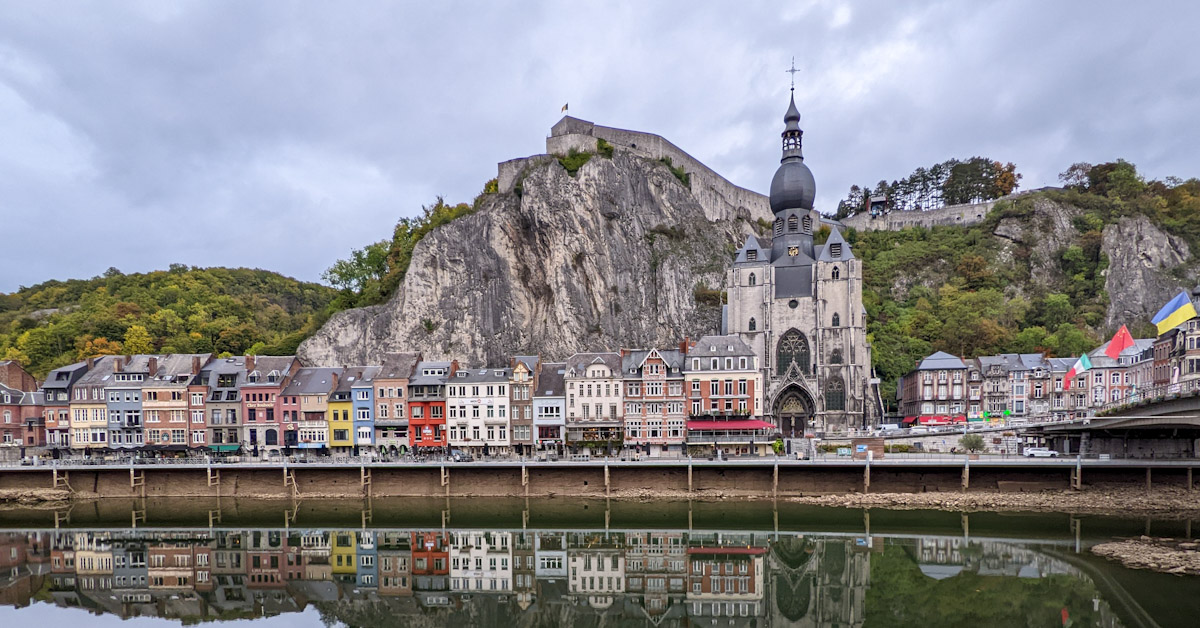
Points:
(1153, 394)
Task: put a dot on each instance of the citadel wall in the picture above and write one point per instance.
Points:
(967, 214)
(720, 199)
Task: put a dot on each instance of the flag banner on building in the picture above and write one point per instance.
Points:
(1174, 313)
(1083, 364)
(564, 107)
(1120, 342)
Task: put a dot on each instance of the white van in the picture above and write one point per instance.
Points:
(889, 427)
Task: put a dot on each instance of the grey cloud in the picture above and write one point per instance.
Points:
(283, 134)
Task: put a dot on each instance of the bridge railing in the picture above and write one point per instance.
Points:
(1154, 394)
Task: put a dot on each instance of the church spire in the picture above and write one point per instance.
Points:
(791, 123)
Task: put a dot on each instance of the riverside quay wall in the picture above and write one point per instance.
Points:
(639, 480)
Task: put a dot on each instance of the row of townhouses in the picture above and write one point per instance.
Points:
(1028, 386)
(645, 402)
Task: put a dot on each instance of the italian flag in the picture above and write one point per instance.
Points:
(1082, 365)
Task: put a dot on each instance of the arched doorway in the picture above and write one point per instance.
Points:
(793, 411)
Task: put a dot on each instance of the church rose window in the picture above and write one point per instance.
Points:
(835, 394)
(793, 347)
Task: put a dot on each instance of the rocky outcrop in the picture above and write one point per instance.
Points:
(1165, 555)
(1144, 266)
(610, 257)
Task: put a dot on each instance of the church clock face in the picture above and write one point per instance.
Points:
(793, 251)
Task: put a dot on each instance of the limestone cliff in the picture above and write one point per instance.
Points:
(555, 264)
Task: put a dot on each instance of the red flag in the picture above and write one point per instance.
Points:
(1120, 342)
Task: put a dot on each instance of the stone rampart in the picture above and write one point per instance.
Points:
(721, 199)
(968, 214)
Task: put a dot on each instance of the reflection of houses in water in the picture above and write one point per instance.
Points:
(817, 581)
(481, 561)
(596, 567)
(725, 580)
(522, 578)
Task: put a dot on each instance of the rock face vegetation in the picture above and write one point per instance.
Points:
(589, 254)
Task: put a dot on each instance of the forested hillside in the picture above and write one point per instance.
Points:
(181, 310)
(1033, 277)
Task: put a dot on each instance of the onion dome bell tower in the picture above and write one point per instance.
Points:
(793, 186)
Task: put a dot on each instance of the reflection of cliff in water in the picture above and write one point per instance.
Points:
(530, 579)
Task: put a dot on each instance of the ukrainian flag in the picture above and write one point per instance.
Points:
(1174, 314)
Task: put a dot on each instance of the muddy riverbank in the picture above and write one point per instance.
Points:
(1165, 555)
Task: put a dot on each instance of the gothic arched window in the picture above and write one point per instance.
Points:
(753, 280)
(753, 324)
(836, 273)
(793, 347)
(808, 224)
(791, 223)
(837, 320)
(835, 394)
(835, 356)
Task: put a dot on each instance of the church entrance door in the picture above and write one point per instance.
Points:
(794, 411)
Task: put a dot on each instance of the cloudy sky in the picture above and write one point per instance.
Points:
(281, 135)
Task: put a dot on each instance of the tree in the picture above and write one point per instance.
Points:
(1076, 176)
(364, 266)
(92, 347)
(972, 443)
(138, 340)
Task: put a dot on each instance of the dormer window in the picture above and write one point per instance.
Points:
(252, 377)
(835, 250)
(752, 256)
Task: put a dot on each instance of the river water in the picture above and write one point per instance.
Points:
(554, 562)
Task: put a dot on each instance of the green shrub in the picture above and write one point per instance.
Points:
(708, 296)
(574, 160)
(604, 149)
(679, 172)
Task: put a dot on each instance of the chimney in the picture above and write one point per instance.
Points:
(624, 352)
(90, 363)
(119, 364)
(195, 364)
(334, 378)
(153, 366)
(249, 364)
(453, 367)
(683, 344)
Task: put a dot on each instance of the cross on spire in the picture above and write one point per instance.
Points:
(793, 72)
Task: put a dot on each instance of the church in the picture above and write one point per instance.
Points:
(798, 305)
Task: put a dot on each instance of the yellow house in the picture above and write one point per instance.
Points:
(341, 417)
(343, 552)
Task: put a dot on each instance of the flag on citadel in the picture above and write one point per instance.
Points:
(1174, 313)
(564, 107)
(1120, 342)
(1079, 368)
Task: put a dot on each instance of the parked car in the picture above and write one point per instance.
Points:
(1040, 452)
(458, 455)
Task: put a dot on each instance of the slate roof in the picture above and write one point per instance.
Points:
(399, 365)
(754, 243)
(580, 361)
(172, 368)
(550, 380)
(835, 237)
(61, 377)
(941, 360)
(264, 364)
(100, 373)
(490, 375)
(429, 380)
(719, 347)
(633, 361)
(312, 381)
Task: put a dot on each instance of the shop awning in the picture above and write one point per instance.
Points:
(224, 447)
(739, 424)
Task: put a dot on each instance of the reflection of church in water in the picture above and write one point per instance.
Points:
(798, 304)
(818, 581)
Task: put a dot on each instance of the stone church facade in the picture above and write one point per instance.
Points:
(798, 305)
